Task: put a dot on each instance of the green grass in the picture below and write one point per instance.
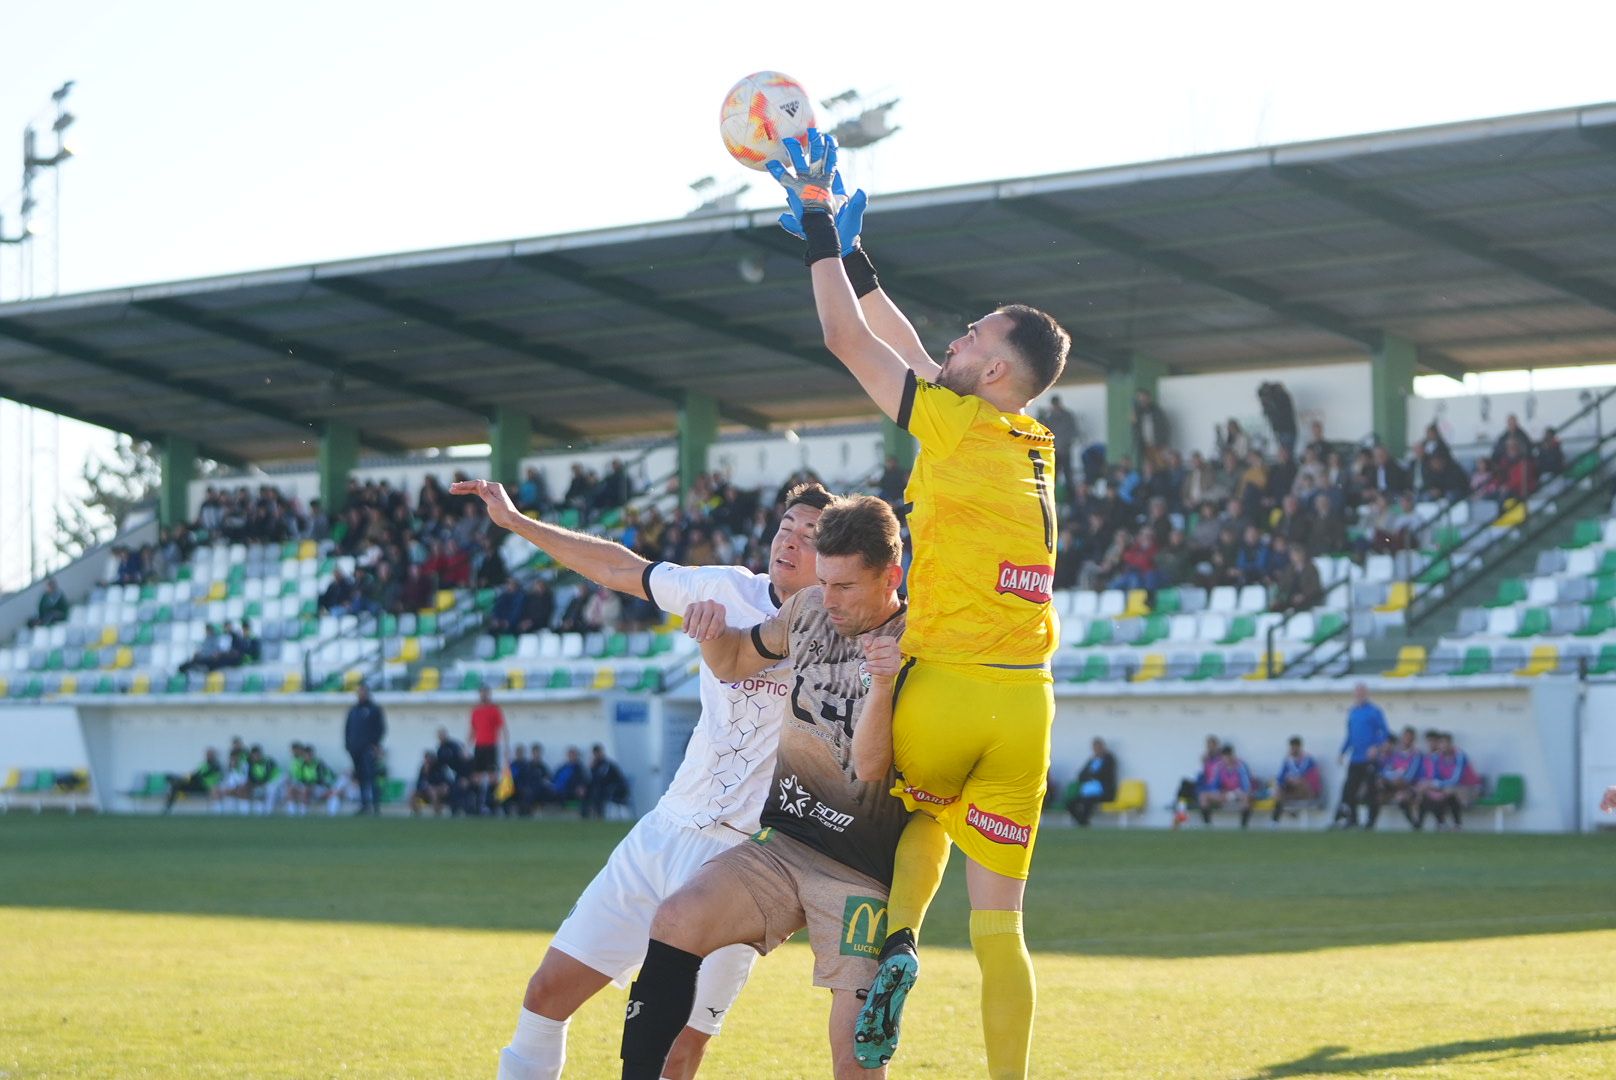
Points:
(181, 947)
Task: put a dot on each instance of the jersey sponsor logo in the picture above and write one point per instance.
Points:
(633, 1010)
(798, 801)
(1034, 583)
(922, 795)
(864, 926)
(999, 829)
(761, 686)
(762, 836)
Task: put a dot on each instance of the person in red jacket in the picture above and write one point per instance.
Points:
(490, 743)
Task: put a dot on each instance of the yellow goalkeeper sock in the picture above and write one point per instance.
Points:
(1008, 991)
(917, 871)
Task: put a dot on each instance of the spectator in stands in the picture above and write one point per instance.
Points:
(431, 786)
(894, 478)
(1483, 481)
(606, 784)
(490, 739)
(1512, 431)
(614, 490)
(363, 732)
(1174, 561)
(1282, 475)
(1401, 767)
(1298, 587)
(1448, 784)
(1280, 411)
(1062, 424)
(130, 569)
(505, 617)
(1252, 486)
(1231, 438)
(538, 608)
(1299, 780)
(1230, 787)
(1096, 783)
(1255, 559)
(1200, 483)
(211, 653)
(1384, 474)
(52, 607)
(491, 569)
(1550, 459)
(338, 597)
(418, 593)
(571, 780)
(1139, 564)
(1360, 752)
(1290, 521)
(1317, 443)
(1517, 472)
(1326, 530)
(1150, 431)
(533, 494)
(579, 489)
(202, 780)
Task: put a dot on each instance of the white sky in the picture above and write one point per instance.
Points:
(222, 137)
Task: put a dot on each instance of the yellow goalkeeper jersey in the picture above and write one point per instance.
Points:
(982, 520)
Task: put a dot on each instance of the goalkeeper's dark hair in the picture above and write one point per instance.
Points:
(1040, 341)
(812, 494)
(860, 525)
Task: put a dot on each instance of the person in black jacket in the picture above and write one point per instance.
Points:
(606, 783)
(1280, 411)
(1096, 783)
(363, 732)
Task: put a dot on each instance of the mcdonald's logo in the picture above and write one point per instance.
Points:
(864, 926)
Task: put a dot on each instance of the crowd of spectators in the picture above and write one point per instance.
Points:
(225, 646)
(1250, 515)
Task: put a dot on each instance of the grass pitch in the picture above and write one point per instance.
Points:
(202, 947)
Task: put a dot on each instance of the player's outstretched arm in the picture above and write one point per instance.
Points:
(872, 736)
(893, 327)
(729, 653)
(602, 561)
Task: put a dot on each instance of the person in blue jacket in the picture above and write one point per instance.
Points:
(1360, 753)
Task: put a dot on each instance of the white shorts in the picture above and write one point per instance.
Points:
(609, 927)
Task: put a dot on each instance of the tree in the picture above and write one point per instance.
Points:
(116, 487)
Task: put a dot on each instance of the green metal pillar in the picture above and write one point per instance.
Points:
(510, 435)
(177, 459)
(698, 426)
(339, 453)
(1142, 373)
(898, 443)
(1391, 384)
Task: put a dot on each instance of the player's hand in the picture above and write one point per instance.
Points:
(882, 657)
(811, 182)
(1608, 803)
(501, 511)
(849, 219)
(705, 620)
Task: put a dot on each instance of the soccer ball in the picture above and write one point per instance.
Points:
(760, 112)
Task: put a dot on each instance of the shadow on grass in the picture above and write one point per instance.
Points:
(1328, 1060)
(1101, 893)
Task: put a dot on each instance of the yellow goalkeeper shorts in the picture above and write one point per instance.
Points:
(971, 747)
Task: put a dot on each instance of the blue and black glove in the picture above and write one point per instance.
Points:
(847, 213)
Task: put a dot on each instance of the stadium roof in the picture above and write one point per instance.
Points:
(1488, 244)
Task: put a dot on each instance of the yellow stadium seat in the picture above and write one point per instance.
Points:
(4, 687)
(1262, 667)
(1153, 666)
(308, 549)
(218, 591)
(1544, 660)
(1138, 604)
(427, 681)
(410, 651)
(1397, 596)
(445, 599)
(1514, 514)
(605, 679)
(1131, 795)
(109, 636)
(140, 685)
(516, 679)
(13, 778)
(293, 683)
(214, 683)
(1410, 661)
(125, 658)
(1263, 805)
(70, 684)
(352, 678)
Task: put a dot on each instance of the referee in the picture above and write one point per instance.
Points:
(1360, 752)
(489, 736)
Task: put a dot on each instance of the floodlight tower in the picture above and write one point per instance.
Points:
(33, 163)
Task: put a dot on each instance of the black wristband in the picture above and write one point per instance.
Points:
(820, 231)
(860, 272)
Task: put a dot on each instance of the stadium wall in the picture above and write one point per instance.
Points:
(1536, 730)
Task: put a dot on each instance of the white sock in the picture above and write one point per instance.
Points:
(537, 1050)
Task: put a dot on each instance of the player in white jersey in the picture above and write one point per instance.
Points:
(713, 802)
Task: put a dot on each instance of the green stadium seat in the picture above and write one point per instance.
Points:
(1604, 589)
(427, 623)
(1607, 564)
(1478, 660)
(616, 646)
(165, 614)
(176, 684)
(1241, 628)
(1508, 794)
(1534, 621)
(1212, 666)
(1155, 629)
(1095, 669)
(650, 681)
(392, 789)
(661, 644)
(560, 679)
(1099, 633)
(148, 591)
(1601, 618)
(253, 684)
(1169, 602)
(471, 680)
(504, 645)
(1447, 537)
(1327, 625)
(1510, 591)
(1438, 572)
(485, 599)
(104, 685)
(90, 661)
(289, 587)
(568, 518)
(1605, 662)
(1586, 532)
(1585, 465)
